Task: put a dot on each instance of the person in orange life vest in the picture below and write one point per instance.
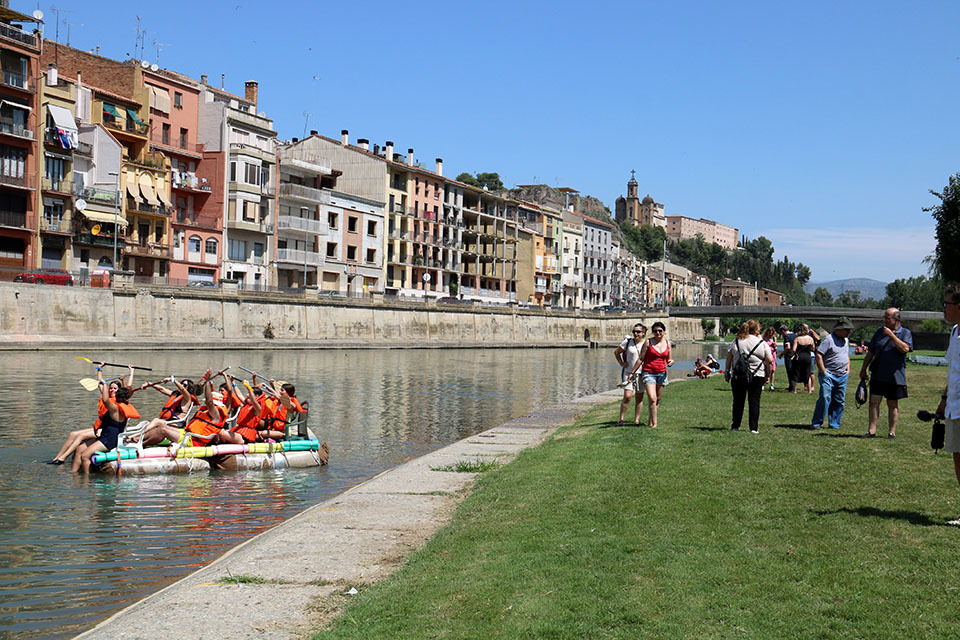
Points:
(231, 398)
(209, 415)
(277, 408)
(175, 408)
(248, 417)
(111, 422)
(83, 436)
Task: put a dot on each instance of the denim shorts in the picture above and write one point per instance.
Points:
(654, 378)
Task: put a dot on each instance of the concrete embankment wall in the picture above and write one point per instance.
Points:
(34, 316)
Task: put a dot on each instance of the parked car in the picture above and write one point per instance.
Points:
(46, 276)
(201, 283)
(453, 300)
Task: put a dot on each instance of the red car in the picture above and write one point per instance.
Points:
(46, 276)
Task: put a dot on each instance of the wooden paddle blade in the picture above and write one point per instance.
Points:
(89, 383)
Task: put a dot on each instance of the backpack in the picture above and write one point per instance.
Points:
(741, 368)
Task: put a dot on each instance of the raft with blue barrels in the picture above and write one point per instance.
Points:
(300, 453)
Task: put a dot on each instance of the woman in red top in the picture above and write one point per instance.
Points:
(656, 358)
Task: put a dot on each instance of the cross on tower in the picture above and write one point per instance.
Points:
(633, 173)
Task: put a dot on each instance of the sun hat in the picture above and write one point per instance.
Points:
(843, 322)
(218, 400)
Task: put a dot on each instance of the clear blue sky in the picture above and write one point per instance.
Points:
(820, 125)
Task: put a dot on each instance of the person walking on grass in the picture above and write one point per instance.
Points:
(749, 362)
(833, 371)
(788, 338)
(949, 407)
(655, 355)
(887, 362)
(628, 357)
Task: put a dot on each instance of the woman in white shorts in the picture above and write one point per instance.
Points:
(628, 356)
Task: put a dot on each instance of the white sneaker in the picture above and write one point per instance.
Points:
(754, 431)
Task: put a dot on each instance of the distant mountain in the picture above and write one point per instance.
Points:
(867, 287)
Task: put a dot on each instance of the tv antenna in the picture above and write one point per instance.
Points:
(306, 122)
(140, 41)
(69, 24)
(159, 46)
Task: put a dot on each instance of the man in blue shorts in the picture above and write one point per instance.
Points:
(887, 363)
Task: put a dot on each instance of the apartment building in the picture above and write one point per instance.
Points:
(196, 228)
(683, 228)
(731, 292)
(547, 223)
(353, 255)
(302, 225)
(58, 187)
(770, 298)
(19, 118)
(571, 260)
(233, 133)
(598, 267)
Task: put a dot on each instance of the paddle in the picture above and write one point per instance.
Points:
(92, 383)
(114, 364)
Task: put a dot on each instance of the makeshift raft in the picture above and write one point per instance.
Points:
(230, 457)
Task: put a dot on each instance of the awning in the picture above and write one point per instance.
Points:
(136, 118)
(15, 105)
(159, 99)
(112, 110)
(108, 218)
(61, 117)
(164, 199)
(132, 189)
(146, 188)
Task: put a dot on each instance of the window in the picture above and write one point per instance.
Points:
(54, 169)
(53, 212)
(158, 233)
(258, 252)
(264, 175)
(371, 255)
(211, 246)
(239, 137)
(165, 134)
(177, 239)
(331, 249)
(371, 227)
(183, 138)
(238, 250)
(11, 248)
(178, 99)
(352, 224)
(332, 221)
(195, 244)
(251, 173)
(233, 171)
(351, 252)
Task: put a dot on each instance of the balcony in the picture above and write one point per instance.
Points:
(302, 224)
(60, 186)
(106, 197)
(19, 182)
(299, 257)
(152, 249)
(16, 219)
(17, 81)
(151, 159)
(143, 207)
(303, 193)
(8, 127)
(84, 149)
(250, 225)
(99, 240)
(187, 181)
(18, 35)
(126, 125)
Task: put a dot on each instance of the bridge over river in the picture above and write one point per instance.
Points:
(826, 315)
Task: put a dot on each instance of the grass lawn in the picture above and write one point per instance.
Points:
(693, 531)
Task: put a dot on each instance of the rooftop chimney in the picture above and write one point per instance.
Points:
(344, 137)
(388, 150)
(223, 80)
(251, 90)
(51, 75)
(294, 140)
(203, 78)
(363, 143)
(439, 166)
(376, 149)
(410, 157)
(313, 132)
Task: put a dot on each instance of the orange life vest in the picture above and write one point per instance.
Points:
(247, 423)
(203, 425)
(168, 412)
(101, 412)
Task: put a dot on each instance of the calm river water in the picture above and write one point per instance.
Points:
(75, 549)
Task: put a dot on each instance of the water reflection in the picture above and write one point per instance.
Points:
(74, 549)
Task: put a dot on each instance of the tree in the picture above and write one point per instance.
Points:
(489, 181)
(822, 297)
(915, 294)
(803, 273)
(946, 265)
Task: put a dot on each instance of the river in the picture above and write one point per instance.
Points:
(75, 549)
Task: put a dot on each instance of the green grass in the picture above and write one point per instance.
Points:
(469, 466)
(693, 531)
(242, 579)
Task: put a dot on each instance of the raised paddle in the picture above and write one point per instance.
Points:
(114, 364)
(92, 383)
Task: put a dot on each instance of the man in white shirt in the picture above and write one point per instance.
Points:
(950, 400)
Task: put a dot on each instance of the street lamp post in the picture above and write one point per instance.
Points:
(116, 217)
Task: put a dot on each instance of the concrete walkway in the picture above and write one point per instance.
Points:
(309, 563)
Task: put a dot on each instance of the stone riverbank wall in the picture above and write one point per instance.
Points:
(35, 315)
